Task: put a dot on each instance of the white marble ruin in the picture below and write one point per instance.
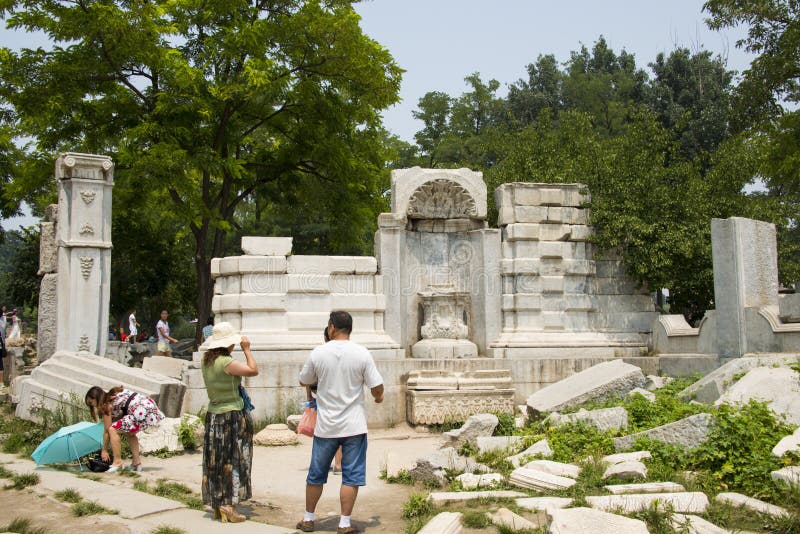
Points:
(490, 315)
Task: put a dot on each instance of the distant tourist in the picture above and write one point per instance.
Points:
(123, 412)
(208, 329)
(164, 339)
(3, 322)
(228, 443)
(341, 369)
(16, 330)
(133, 326)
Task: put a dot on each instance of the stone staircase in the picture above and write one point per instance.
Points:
(65, 378)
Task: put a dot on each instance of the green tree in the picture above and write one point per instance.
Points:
(19, 266)
(542, 90)
(434, 112)
(205, 103)
(604, 84)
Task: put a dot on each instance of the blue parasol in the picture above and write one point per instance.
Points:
(69, 443)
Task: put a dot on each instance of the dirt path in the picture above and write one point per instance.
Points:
(45, 512)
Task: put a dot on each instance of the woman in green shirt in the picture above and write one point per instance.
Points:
(228, 443)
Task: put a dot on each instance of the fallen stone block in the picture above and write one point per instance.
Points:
(626, 470)
(506, 518)
(712, 386)
(445, 497)
(583, 520)
(612, 379)
(694, 524)
(636, 456)
(538, 480)
(165, 365)
(496, 443)
(743, 501)
(604, 419)
(471, 481)
(162, 437)
(688, 432)
(555, 468)
(789, 443)
(543, 504)
(649, 395)
(477, 425)
(648, 487)
(777, 386)
(687, 503)
(431, 468)
(787, 475)
(540, 448)
(394, 466)
(275, 435)
(656, 382)
(443, 523)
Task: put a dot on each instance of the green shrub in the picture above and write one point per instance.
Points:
(574, 442)
(186, 432)
(738, 451)
(164, 529)
(22, 525)
(506, 425)
(417, 506)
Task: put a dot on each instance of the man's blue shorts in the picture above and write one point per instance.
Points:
(354, 460)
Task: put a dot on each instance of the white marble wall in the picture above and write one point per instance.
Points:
(557, 297)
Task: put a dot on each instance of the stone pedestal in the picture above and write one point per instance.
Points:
(444, 332)
(48, 288)
(84, 251)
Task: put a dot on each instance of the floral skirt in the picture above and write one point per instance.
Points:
(227, 458)
(142, 414)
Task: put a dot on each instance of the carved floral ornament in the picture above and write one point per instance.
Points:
(83, 344)
(87, 196)
(86, 266)
(441, 199)
(87, 229)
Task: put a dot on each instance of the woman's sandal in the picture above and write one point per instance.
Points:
(228, 515)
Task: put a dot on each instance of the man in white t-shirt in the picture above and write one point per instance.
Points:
(164, 339)
(133, 326)
(341, 369)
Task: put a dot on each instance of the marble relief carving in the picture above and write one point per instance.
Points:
(441, 199)
(84, 343)
(88, 196)
(87, 229)
(86, 266)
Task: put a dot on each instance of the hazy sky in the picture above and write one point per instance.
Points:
(439, 42)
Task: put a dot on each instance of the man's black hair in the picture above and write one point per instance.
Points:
(341, 321)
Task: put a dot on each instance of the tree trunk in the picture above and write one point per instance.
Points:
(205, 287)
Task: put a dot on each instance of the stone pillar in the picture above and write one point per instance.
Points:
(48, 295)
(745, 257)
(84, 251)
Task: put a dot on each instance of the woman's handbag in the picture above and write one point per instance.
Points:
(98, 465)
(308, 422)
(248, 406)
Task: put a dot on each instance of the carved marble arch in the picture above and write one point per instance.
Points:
(441, 199)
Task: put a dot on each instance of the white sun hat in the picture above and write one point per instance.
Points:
(223, 335)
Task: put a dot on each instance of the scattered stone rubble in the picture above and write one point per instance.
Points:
(788, 443)
(779, 387)
(540, 448)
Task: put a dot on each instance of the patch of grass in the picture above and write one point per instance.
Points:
(23, 481)
(417, 506)
(160, 453)
(84, 508)
(164, 529)
(22, 525)
(186, 433)
(496, 461)
(88, 475)
(68, 495)
(475, 519)
(5, 473)
(128, 473)
(403, 477)
(502, 529)
(25, 436)
(574, 442)
(171, 490)
(447, 426)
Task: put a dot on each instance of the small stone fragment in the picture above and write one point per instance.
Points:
(626, 470)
